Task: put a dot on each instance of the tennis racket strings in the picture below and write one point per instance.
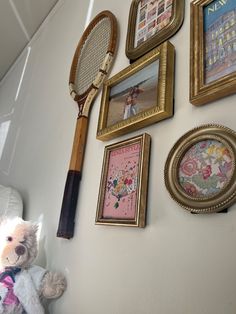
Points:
(92, 55)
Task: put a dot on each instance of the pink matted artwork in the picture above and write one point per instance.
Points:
(122, 182)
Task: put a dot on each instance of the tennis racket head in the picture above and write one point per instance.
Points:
(92, 59)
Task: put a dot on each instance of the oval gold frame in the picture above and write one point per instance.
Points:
(217, 202)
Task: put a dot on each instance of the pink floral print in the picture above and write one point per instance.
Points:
(189, 167)
(206, 168)
(206, 172)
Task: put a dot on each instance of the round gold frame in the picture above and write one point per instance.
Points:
(217, 202)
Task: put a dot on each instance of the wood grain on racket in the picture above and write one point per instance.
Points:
(84, 100)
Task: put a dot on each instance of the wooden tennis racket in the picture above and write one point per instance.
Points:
(92, 60)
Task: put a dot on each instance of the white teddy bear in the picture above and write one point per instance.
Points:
(22, 284)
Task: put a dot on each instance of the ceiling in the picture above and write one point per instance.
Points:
(19, 19)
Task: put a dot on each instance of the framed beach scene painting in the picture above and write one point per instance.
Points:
(134, 94)
(139, 95)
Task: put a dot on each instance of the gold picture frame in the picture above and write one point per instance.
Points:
(148, 81)
(212, 50)
(124, 182)
(151, 23)
(200, 171)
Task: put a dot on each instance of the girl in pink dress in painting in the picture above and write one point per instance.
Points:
(131, 102)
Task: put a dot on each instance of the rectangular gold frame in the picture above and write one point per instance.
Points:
(142, 186)
(155, 40)
(201, 93)
(162, 109)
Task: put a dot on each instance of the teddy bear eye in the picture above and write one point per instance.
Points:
(9, 239)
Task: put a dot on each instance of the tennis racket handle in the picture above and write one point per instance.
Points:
(77, 156)
(69, 203)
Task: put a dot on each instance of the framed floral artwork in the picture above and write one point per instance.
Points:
(151, 22)
(200, 171)
(139, 95)
(123, 188)
(212, 50)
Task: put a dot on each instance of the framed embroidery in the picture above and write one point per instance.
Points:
(151, 22)
(212, 50)
(123, 188)
(200, 171)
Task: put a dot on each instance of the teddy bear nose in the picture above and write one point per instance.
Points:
(20, 250)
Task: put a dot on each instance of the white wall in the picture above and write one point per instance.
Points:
(180, 263)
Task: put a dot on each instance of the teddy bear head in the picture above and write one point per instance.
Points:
(18, 243)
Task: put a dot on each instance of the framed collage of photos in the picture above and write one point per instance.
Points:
(213, 50)
(152, 22)
(124, 182)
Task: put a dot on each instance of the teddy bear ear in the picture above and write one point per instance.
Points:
(4, 219)
(35, 228)
(31, 228)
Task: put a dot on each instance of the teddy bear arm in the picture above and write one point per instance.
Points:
(53, 285)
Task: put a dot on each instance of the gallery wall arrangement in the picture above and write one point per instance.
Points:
(148, 214)
(200, 168)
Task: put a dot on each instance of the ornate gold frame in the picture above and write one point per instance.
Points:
(142, 189)
(227, 196)
(173, 26)
(162, 109)
(201, 93)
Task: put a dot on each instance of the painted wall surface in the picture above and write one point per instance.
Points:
(180, 263)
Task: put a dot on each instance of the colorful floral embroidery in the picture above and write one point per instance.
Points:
(205, 168)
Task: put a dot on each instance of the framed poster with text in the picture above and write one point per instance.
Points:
(213, 50)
